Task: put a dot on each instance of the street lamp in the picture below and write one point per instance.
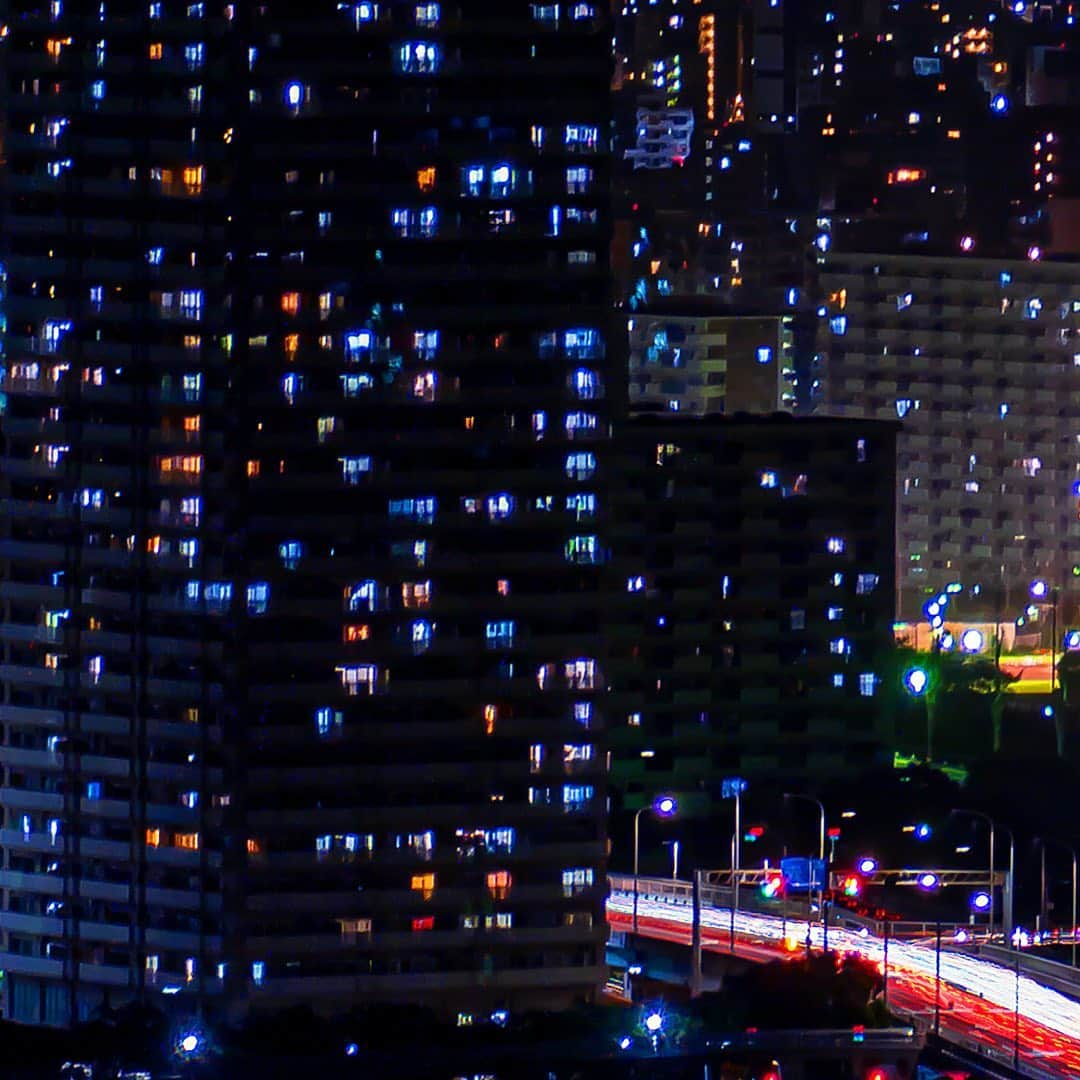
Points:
(821, 858)
(1040, 589)
(1072, 851)
(663, 806)
(989, 821)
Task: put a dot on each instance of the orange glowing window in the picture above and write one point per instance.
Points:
(193, 178)
(188, 841)
(153, 545)
(491, 714)
(425, 178)
(357, 632)
(502, 587)
(906, 175)
(155, 51)
(254, 847)
(498, 883)
(192, 341)
(55, 46)
(192, 424)
(426, 922)
(424, 884)
(153, 838)
(292, 344)
(470, 423)
(191, 464)
(290, 303)
(254, 467)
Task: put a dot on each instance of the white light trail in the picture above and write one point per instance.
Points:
(991, 982)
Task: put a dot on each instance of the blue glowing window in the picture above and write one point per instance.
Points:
(420, 634)
(290, 552)
(93, 790)
(577, 796)
(835, 545)
(354, 469)
(365, 13)
(154, 256)
(586, 384)
(472, 180)
(582, 136)
(579, 422)
(421, 509)
(866, 584)
(764, 354)
(582, 505)
(580, 465)
(218, 595)
(767, 479)
(578, 179)
(258, 598)
(97, 90)
(545, 13)
(500, 507)
(838, 325)
(584, 550)
(426, 343)
(583, 344)
(363, 596)
(419, 57)
(354, 385)
(427, 14)
(867, 684)
(636, 583)
(499, 634)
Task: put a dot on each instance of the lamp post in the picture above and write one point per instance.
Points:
(1072, 851)
(990, 822)
(663, 806)
(1040, 589)
(821, 847)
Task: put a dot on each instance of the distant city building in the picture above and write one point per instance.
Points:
(980, 360)
(709, 362)
(756, 561)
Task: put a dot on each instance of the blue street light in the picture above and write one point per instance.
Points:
(980, 901)
(625, 1042)
(867, 865)
(665, 806)
(999, 104)
(923, 831)
(653, 1023)
(972, 640)
(1072, 639)
(916, 681)
(294, 94)
(929, 881)
(1039, 589)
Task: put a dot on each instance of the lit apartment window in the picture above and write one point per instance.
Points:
(424, 884)
(186, 841)
(498, 884)
(577, 880)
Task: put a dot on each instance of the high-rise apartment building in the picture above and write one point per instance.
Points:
(979, 359)
(305, 401)
(754, 628)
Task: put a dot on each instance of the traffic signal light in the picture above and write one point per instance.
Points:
(753, 834)
(772, 887)
(852, 886)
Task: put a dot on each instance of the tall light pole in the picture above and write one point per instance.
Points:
(821, 845)
(663, 806)
(1040, 589)
(989, 821)
(1072, 851)
(1009, 899)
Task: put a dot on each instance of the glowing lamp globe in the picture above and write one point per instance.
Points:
(665, 806)
(972, 640)
(189, 1043)
(928, 881)
(1039, 589)
(980, 901)
(653, 1023)
(916, 681)
(867, 865)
